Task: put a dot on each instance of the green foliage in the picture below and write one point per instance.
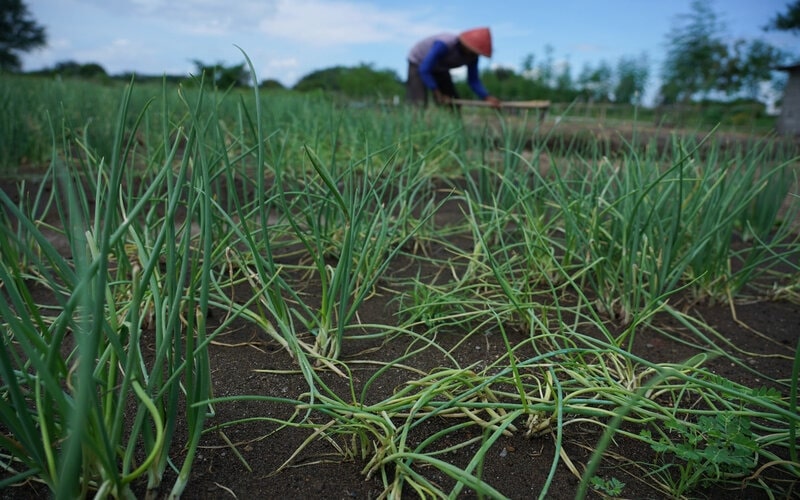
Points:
(222, 77)
(121, 277)
(788, 20)
(30, 106)
(715, 448)
(508, 85)
(600, 83)
(73, 69)
(753, 64)
(34, 108)
(695, 53)
(259, 175)
(701, 62)
(632, 75)
(612, 487)
(18, 33)
(362, 81)
(595, 82)
(270, 84)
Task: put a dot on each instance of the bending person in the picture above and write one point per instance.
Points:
(431, 59)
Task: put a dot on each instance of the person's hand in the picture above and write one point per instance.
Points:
(494, 101)
(441, 98)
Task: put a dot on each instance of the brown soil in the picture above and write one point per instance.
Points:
(245, 361)
(517, 467)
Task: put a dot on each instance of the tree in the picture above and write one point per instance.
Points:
(632, 74)
(271, 84)
(527, 65)
(699, 63)
(362, 81)
(221, 76)
(18, 33)
(758, 66)
(72, 69)
(508, 85)
(749, 64)
(788, 21)
(564, 78)
(695, 52)
(595, 83)
(545, 69)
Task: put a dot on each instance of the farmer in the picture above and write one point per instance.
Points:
(430, 62)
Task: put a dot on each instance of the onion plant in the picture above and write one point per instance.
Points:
(642, 231)
(74, 364)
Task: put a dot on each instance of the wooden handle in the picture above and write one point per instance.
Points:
(504, 104)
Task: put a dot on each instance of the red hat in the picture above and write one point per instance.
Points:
(478, 40)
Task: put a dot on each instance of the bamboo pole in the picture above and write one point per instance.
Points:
(503, 104)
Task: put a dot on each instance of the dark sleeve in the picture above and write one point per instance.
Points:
(426, 66)
(474, 80)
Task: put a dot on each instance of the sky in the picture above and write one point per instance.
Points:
(288, 39)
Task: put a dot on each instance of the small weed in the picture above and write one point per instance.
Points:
(612, 487)
(714, 449)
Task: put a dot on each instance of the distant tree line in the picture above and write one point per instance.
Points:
(700, 63)
(623, 83)
(211, 75)
(362, 81)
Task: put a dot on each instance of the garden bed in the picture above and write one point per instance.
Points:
(436, 312)
(273, 454)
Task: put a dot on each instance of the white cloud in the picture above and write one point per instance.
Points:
(326, 23)
(118, 56)
(284, 69)
(58, 44)
(207, 27)
(289, 62)
(312, 22)
(46, 56)
(205, 17)
(146, 5)
(588, 48)
(284, 38)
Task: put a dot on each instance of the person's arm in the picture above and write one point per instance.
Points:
(438, 50)
(474, 81)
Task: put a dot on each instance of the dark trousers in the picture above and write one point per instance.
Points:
(417, 92)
